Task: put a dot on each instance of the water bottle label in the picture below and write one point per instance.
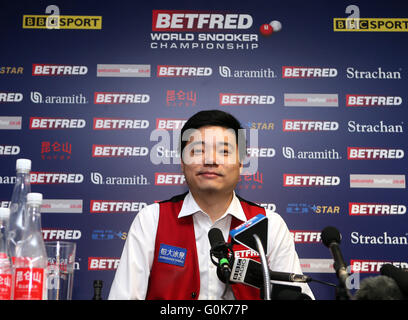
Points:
(28, 284)
(5, 286)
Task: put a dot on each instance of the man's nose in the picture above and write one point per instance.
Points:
(210, 157)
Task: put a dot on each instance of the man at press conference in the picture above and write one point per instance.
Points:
(212, 161)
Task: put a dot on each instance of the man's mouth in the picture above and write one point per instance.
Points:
(209, 174)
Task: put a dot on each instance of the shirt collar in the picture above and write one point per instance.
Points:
(191, 207)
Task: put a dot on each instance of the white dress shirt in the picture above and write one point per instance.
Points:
(132, 275)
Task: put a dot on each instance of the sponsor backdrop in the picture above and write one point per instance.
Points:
(95, 94)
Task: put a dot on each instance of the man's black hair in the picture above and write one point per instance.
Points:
(215, 118)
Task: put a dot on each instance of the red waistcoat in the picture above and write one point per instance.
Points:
(175, 240)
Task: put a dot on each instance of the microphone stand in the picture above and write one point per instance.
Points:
(267, 281)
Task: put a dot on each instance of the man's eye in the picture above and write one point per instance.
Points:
(225, 152)
(197, 151)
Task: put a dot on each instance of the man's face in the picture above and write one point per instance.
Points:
(210, 160)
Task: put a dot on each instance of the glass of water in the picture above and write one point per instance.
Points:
(60, 270)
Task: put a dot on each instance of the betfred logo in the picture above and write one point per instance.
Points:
(170, 124)
(308, 72)
(55, 178)
(102, 263)
(306, 236)
(246, 253)
(374, 266)
(120, 98)
(9, 150)
(119, 124)
(114, 206)
(290, 125)
(59, 234)
(373, 209)
(357, 100)
(56, 123)
(193, 20)
(236, 99)
(295, 180)
(183, 71)
(8, 97)
(58, 70)
(169, 179)
(105, 151)
(358, 153)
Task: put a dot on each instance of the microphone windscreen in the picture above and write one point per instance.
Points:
(216, 238)
(400, 276)
(329, 235)
(379, 288)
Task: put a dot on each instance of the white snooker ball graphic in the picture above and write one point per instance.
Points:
(276, 25)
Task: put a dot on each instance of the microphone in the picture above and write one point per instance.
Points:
(331, 238)
(378, 288)
(254, 235)
(221, 250)
(244, 233)
(249, 272)
(399, 275)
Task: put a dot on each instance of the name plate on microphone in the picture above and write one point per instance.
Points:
(172, 255)
(243, 234)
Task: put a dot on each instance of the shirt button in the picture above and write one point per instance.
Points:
(193, 295)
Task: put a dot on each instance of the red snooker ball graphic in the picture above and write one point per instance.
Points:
(267, 29)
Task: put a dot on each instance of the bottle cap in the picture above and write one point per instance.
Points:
(4, 213)
(34, 198)
(23, 165)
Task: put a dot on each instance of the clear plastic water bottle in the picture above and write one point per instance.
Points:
(18, 204)
(5, 262)
(30, 262)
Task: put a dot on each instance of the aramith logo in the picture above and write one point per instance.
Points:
(326, 154)
(37, 97)
(135, 180)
